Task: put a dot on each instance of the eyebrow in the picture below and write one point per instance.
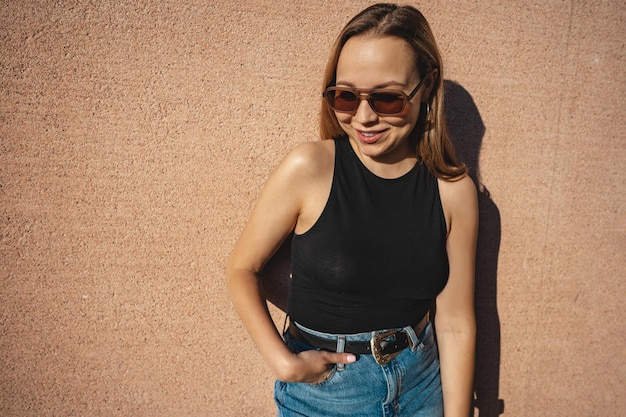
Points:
(382, 85)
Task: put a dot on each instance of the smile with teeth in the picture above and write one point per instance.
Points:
(371, 133)
(370, 136)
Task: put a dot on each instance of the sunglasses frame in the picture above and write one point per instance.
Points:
(367, 93)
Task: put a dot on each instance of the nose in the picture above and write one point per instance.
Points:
(364, 113)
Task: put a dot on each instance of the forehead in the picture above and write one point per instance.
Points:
(370, 59)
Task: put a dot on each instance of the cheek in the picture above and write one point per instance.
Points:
(343, 118)
(345, 121)
(407, 120)
(411, 114)
(400, 121)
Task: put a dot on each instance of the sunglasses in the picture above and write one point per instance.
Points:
(384, 102)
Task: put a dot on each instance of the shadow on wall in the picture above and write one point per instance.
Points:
(466, 130)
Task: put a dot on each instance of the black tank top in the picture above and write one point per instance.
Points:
(376, 257)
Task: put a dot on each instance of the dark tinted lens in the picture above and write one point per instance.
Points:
(343, 100)
(387, 103)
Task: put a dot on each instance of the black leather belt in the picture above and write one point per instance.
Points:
(384, 344)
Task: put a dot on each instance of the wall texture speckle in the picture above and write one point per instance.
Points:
(134, 138)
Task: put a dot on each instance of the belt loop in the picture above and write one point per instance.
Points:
(341, 346)
(413, 338)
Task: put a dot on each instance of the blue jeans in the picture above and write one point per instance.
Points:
(409, 385)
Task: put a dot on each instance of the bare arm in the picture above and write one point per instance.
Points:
(455, 318)
(275, 215)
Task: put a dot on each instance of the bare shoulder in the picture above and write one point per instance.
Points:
(457, 191)
(459, 199)
(304, 167)
(310, 158)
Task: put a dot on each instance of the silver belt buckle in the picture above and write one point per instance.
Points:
(380, 357)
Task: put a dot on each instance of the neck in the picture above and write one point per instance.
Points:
(388, 166)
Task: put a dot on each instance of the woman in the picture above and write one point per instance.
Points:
(384, 222)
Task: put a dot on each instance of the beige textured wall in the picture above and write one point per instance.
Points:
(135, 137)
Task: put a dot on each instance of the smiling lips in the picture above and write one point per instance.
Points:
(370, 137)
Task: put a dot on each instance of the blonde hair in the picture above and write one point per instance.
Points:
(430, 136)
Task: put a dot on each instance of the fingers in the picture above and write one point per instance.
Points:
(323, 377)
(333, 357)
(314, 366)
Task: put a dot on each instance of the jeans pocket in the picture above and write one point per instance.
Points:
(296, 346)
(328, 378)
